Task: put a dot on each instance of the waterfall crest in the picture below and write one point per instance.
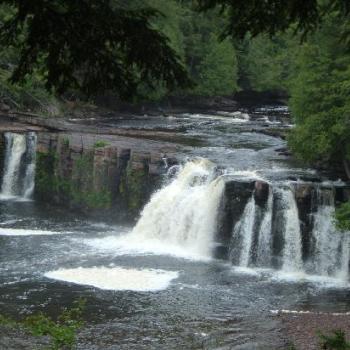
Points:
(184, 213)
(19, 167)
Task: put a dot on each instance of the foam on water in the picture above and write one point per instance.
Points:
(300, 277)
(117, 278)
(25, 232)
(130, 245)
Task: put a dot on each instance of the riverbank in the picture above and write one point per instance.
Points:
(302, 329)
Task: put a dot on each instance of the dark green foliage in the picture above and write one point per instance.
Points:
(91, 46)
(76, 190)
(342, 216)
(134, 188)
(320, 90)
(320, 103)
(266, 63)
(62, 331)
(211, 64)
(255, 17)
(100, 144)
(336, 341)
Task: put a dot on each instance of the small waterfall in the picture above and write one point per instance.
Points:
(252, 234)
(19, 167)
(15, 149)
(264, 254)
(184, 213)
(244, 231)
(269, 234)
(331, 256)
(292, 251)
(29, 178)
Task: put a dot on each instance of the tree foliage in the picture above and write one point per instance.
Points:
(255, 17)
(320, 91)
(91, 46)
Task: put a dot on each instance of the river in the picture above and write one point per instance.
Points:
(156, 284)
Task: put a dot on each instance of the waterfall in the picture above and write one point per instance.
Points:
(331, 256)
(244, 231)
(292, 256)
(184, 212)
(29, 178)
(264, 254)
(19, 167)
(15, 149)
(273, 231)
(254, 224)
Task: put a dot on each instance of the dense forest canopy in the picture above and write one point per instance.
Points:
(152, 48)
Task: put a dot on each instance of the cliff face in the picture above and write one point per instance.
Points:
(96, 172)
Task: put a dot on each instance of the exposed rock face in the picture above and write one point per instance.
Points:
(261, 192)
(98, 171)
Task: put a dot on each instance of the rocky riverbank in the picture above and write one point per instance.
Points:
(302, 329)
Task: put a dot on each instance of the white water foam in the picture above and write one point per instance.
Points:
(179, 220)
(25, 232)
(117, 278)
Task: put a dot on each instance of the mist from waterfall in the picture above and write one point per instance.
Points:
(19, 165)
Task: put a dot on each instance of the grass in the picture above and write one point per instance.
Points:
(100, 144)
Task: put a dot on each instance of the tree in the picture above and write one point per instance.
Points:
(266, 63)
(89, 45)
(255, 17)
(319, 101)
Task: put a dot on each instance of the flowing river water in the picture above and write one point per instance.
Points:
(157, 284)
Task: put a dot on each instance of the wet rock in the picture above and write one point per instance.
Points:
(303, 195)
(283, 151)
(236, 196)
(92, 172)
(17, 339)
(261, 192)
(4, 107)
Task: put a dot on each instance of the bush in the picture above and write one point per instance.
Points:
(62, 332)
(335, 341)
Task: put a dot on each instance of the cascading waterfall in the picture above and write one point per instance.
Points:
(184, 213)
(254, 235)
(19, 168)
(331, 256)
(292, 256)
